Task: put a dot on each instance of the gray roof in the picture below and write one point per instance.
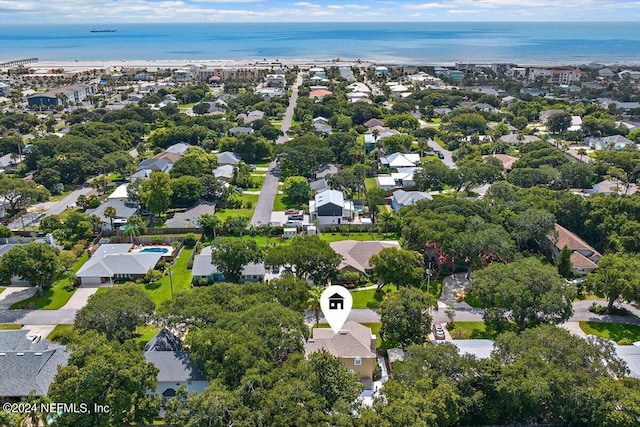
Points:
(479, 348)
(189, 218)
(179, 148)
(174, 366)
(319, 184)
(123, 211)
(631, 355)
(227, 158)
(356, 254)
(27, 365)
(334, 197)
(164, 341)
(112, 259)
(408, 198)
(202, 266)
(240, 130)
(513, 139)
(155, 164)
(223, 171)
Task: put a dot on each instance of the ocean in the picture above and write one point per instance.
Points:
(406, 43)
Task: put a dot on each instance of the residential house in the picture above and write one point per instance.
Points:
(631, 74)
(240, 130)
(224, 172)
(189, 218)
(381, 71)
(354, 345)
(121, 193)
(606, 73)
(325, 171)
(175, 368)
(330, 208)
(179, 148)
(253, 116)
(484, 107)
(401, 198)
(610, 186)
(124, 211)
(322, 128)
(583, 257)
(404, 177)
(9, 162)
(373, 122)
(203, 269)
(275, 80)
(28, 363)
(347, 74)
(356, 254)
(163, 165)
(606, 143)
(116, 261)
(319, 94)
(319, 185)
(506, 160)
(626, 106)
(386, 182)
(400, 160)
(227, 158)
(515, 139)
(545, 115)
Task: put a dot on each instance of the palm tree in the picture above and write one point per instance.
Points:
(110, 212)
(581, 152)
(134, 224)
(386, 218)
(313, 302)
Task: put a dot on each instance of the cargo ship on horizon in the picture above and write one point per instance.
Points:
(94, 30)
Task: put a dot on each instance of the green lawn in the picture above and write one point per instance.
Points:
(161, 290)
(6, 326)
(370, 183)
(59, 332)
(369, 298)
(471, 330)
(101, 291)
(144, 334)
(2, 290)
(282, 203)
(60, 196)
(57, 295)
(612, 331)
(225, 213)
(258, 182)
(440, 142)
(262, 163)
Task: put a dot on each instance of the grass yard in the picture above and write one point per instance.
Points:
(225, 213)
(161, 290)
(440, 142)
(60, 196)
(101, 291)
(370, 183)
(144, 334)
(262, 163)
(369, 298)
(282, 203)
(2, 290)
(8, 326)
(617, 332)
(57, 295)
(59, 332)
(258, 182)
(471, 330)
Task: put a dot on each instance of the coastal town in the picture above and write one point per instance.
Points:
(168, 228)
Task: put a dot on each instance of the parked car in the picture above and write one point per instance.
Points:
(439, 154)
(438, 331)
(296, 217)
(293, 223)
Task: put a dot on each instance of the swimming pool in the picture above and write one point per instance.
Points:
(164, 250)
(154, 250)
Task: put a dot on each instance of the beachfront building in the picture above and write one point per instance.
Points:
(62, 96)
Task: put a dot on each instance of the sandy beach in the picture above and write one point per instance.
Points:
(154, 65)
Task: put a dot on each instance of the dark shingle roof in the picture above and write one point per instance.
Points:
(164, 341)
(27, 364)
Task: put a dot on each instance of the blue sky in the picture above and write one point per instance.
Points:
(139, 11)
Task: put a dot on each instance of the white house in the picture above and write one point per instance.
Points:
(330, 208)
(403, 198)
(175, 369)
(400, 160)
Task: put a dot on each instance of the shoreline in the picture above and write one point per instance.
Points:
(155, 64)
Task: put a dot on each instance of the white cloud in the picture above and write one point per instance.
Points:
(426, 6)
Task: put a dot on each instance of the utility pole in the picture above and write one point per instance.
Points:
(171, 281)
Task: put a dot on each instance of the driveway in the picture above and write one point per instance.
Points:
(41, 210)
(38, 317)
(264, 206)
(448, 160)
(79, 298)
(14, 294)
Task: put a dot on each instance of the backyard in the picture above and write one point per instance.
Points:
(161, 290)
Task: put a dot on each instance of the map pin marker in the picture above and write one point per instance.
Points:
(336, 303)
